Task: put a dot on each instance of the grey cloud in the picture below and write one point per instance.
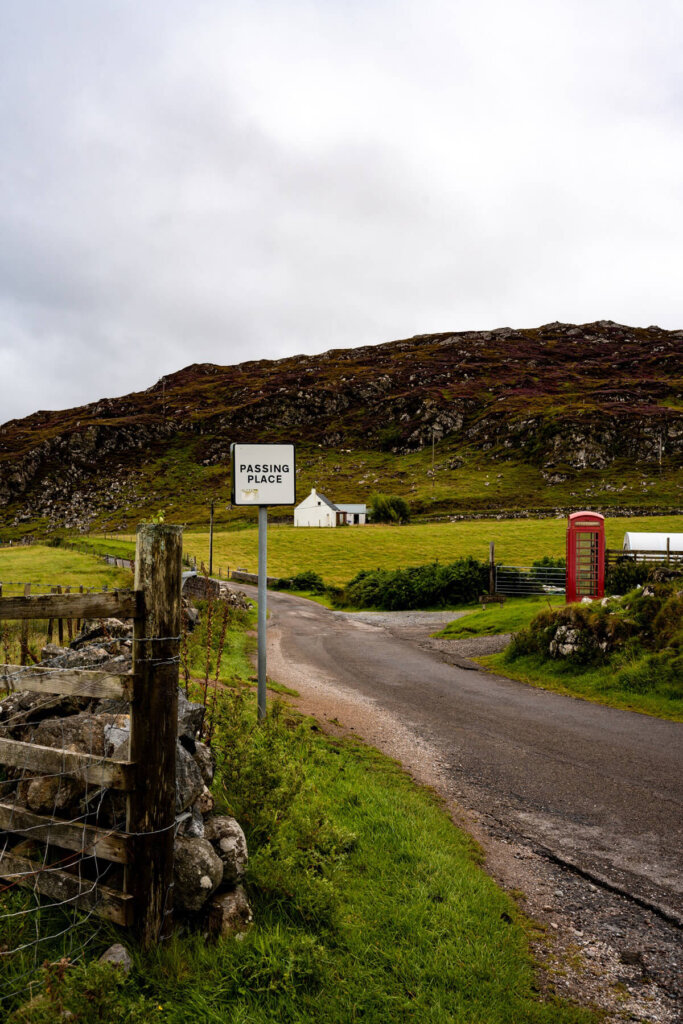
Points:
(217, 182)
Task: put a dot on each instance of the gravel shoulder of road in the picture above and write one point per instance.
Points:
(592, 946)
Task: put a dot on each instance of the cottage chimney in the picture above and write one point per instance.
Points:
(313, 490)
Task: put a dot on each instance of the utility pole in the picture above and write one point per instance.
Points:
(211, 542)
(432, 458)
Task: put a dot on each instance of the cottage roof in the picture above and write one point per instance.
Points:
(327, 501)
(353, 509)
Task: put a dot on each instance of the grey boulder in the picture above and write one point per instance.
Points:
(227, 839)
(197, 872)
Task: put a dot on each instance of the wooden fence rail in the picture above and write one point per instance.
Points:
(147, 777)
(668, 557)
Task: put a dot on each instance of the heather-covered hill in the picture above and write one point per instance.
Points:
(458, 422)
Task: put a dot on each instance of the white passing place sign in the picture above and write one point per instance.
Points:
(263, 474)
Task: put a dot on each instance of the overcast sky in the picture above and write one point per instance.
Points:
(218, 180)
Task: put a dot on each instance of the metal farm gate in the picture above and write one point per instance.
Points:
(517, 580)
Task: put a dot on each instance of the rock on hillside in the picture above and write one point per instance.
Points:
(561, 397)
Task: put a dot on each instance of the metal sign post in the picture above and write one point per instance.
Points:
(262, 608)
(263, 475)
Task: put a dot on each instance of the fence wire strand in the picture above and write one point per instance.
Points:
(62, 926)
(75, 928)
(51, 884)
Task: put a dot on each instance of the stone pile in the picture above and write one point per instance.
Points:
(210, 849)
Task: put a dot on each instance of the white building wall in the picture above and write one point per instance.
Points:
(313, 511)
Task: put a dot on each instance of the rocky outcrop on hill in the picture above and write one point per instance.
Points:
(562, 397)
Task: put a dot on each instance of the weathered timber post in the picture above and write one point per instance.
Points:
(154, 726)
(50, 622)
(69, 622)
(60, 625)
(23, 637)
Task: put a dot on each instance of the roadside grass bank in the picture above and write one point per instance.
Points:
(370, 906)
(599, 684)
(338, 554)
(513, 615)
(626, 652)
(369, 903)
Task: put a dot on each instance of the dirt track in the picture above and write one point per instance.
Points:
(576, 805)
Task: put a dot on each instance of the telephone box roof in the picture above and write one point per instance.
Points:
(585, 515)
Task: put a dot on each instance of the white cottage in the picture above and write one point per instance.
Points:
(317, 510)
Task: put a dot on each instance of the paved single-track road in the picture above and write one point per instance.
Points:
(595, 789)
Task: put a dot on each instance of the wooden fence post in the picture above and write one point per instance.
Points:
(23, 638)
(69, 622)
(50, 622)
(492, 567)
(60, 625)
(154, 727)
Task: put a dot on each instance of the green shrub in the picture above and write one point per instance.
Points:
(390, 437)
(626, 575)
(640, 635)
(258, 772)
(308, 580)
(389, 508)
(419, 587)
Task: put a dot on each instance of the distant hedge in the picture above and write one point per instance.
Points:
(307, 580)
(421, 587)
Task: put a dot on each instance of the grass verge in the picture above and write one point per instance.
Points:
(595, 683)
(369, 904)
(515, 614)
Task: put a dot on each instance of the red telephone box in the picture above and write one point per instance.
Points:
(585, 556)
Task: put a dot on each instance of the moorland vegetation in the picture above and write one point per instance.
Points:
(505, 422)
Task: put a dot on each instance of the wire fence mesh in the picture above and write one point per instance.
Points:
(50, 892)
(88, 754)
(63, 838)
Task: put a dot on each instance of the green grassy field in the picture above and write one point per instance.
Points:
(44, 567)
(338, 554)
